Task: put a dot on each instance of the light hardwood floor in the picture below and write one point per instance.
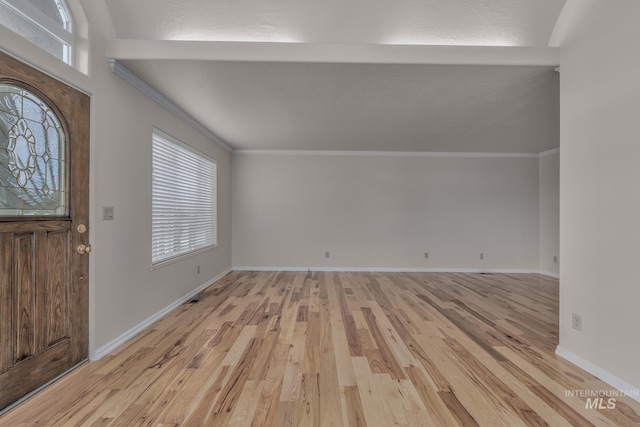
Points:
(339, 349)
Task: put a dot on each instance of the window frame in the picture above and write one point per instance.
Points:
(64, 34)
(188, 250)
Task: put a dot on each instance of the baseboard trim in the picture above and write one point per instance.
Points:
(607, 377)
(392, 270)
(117, 342)
(550, 274)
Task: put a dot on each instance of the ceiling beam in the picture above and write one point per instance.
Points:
(331, 53)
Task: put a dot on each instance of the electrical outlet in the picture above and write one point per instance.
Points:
(555, 259)
(198, 269)
(576, 321)
(327, 255)
(426, 255)
(481, 255)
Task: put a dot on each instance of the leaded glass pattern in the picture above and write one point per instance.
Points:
(32, 156)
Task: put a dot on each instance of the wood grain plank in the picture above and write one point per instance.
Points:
(246, 406)
(355, 413)
(309, 409)
(372, 404)
(330, 406)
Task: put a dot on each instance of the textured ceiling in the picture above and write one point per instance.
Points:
(366, 106)
(263, 104)
(443, 22)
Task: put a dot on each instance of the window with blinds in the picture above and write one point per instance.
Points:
(184, 199)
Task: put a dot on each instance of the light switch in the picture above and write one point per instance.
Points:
(107, 213)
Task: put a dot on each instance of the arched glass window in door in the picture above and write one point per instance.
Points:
(46, 23)
(32, 155)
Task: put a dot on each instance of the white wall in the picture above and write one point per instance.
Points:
(385, 211)
(123, 290)
(599, 185)
(549, 172)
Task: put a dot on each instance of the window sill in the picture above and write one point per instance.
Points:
(177, 258)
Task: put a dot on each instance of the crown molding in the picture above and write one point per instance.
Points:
(135, 81)
(382, 153)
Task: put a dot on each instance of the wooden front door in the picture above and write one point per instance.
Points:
(44, 213)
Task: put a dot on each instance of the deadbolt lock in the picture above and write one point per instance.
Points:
(84, 249)
(82, 228)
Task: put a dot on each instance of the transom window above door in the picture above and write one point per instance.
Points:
(46, 23)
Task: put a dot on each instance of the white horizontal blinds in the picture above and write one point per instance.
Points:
(184, 199)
